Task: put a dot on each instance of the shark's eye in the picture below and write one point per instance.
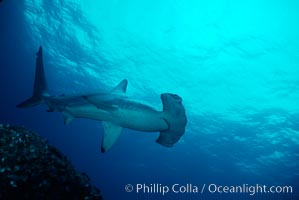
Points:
(176, 96)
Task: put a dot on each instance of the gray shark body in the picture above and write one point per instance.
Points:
(114, 109)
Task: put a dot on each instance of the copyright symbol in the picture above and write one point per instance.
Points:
(129, 188)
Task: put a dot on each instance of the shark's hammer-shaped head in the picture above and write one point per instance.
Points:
(175, 117)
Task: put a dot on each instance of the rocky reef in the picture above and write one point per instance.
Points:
(30, 168)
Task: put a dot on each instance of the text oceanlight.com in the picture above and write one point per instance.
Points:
(163, 189)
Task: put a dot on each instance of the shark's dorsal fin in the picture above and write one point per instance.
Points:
(111, 133)
(121, 87)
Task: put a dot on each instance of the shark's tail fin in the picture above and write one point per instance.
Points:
(175, 116)
(40, 85)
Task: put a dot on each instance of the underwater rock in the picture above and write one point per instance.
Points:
(30, 168)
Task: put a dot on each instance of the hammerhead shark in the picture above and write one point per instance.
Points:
(114, 108)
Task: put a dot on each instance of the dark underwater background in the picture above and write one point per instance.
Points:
(234, 63)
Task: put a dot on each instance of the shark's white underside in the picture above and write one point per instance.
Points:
(114, 109)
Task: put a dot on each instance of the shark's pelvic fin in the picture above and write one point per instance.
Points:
(67, 117)
(40, 85)
(111, 133)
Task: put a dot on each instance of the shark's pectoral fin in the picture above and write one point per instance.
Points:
(111, 133)
(67, 117)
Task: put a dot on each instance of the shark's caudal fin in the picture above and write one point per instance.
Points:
(40, 85)
(175, 116)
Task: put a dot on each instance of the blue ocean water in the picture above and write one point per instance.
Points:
(234, 63)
